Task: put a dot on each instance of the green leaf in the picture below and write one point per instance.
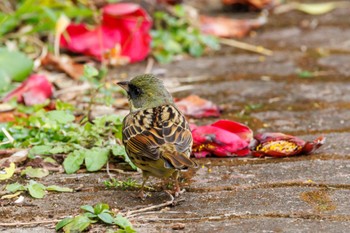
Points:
(126, 230)
(15, 65)
(196, 50)
(78, 224)
(35, 189)
(63, 223)
(122, 221)
(60, 105)
(35, 172)
(119, 150)
(61, 116)
(90, 71)
(100, 207)
(15, 187)
(73, 161)
(58, 189)
(88, 208)
(8, 172)
(106, 217)
(40, 150)
(5, 81)
(96, 158)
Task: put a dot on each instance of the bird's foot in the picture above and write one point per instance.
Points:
(178, 192)
(142, 195)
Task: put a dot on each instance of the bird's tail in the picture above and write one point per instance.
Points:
(178, 160)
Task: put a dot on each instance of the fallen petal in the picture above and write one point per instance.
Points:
(283, 145)
(35, 90)
(227, 27)
(197, 107)
(241, 130)
(123, 24)
(211, 139)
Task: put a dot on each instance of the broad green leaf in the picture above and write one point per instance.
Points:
(60, 105)
(73, 161)
(122, 221)
(63, 223)
(50, 160)
(196, 49)
(78, 224)
(90, 71)
(35, 189)
(35, 172)
(100, 207)
(61, 148)
(40, 150)
(106, 217)
(58, 188)
(119, 150)
(5, 81)
(15, 187)
(15, 65)
(127, 229)
(96, 158)
(88, 208)
(61, 116)
(8, 172)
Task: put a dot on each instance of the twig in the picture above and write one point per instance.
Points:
(150, 63)
(12, 224)
(245, 46)
(117, 170)
(168, 203)
(9, 151)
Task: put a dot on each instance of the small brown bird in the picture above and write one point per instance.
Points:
(156, 135)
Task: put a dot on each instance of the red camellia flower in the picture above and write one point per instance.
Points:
(222, 138)
(35, 90)
(283, 145)
(123, 34)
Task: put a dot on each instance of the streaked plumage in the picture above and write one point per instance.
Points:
(156, 135)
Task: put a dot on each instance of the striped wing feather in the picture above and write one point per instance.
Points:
(160, 132)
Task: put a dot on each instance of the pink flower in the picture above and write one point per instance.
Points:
(124, 28)
(283, 145)
(223, 138)
(35, 90)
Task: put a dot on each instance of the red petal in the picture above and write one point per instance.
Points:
(237, 128)
(282, 145)
(217, 141)
(35, 90)
(197, 107)
(126, 24)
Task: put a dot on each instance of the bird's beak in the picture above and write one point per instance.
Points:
(124, 85)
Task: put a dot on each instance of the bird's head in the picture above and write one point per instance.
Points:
(146, 91)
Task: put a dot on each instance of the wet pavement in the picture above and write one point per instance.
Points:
(297, 194)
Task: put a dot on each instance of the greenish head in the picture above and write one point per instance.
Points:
(146, 91)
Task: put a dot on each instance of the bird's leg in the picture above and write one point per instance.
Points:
(145, 177)
(178, 190)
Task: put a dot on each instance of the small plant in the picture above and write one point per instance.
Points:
(35, 189)
(174, 35)
(129, 183)
(100, 213)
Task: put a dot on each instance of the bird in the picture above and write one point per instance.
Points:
(156, 135)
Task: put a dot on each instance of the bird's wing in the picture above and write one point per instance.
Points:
(150, 132)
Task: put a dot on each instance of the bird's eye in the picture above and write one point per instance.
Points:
(134, 91)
